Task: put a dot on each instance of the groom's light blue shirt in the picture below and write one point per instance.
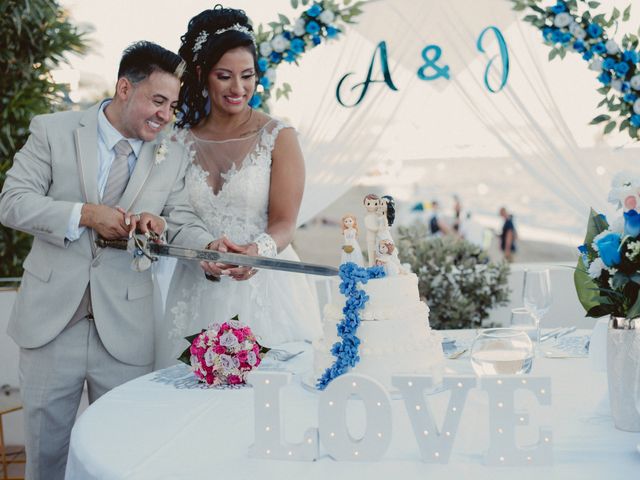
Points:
(108, 136)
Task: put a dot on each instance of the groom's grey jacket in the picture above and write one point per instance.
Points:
(56, 168)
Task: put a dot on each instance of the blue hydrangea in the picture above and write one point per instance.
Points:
(297, 45)
(579, 46)
(314, 11)
(345, 351)
(622, 68)
(566, 38)
(635, 120)
(594, 30)
(630, 56)
(556, 36)
(265, 82)
(559, 8)
(255, 101)
(289, 56)
(312, 28)
(605, 78)
(275, 57)
(630, 97)
(609, 63)
(332, 31)
(263, 64)
(588, 55)
(599, 48)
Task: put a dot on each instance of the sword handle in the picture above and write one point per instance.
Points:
(120, 243)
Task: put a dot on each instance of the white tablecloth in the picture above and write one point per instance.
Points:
(151, 429)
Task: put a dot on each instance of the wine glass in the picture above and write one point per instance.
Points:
(537, 293)
(502, 351)
(522, 319)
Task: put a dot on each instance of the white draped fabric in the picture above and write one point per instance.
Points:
(539, 121)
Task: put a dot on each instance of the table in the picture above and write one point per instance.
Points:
(149, 429)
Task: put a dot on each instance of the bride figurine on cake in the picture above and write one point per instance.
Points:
(351, 251)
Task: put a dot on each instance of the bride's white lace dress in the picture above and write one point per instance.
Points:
(228, 184)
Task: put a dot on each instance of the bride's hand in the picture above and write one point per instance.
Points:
(223, 244)
(244, 273)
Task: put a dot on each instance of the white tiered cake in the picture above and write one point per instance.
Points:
(394, 331)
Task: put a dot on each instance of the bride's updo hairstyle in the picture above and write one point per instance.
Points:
(209, 36)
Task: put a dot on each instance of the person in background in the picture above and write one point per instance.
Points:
(457, 213)
(436, 225)
(508, 236)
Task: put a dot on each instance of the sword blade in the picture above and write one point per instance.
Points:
(242, 260)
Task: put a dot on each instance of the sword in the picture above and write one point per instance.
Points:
(141, 247)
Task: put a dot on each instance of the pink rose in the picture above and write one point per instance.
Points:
(243, 356)
(239, 335)
(220, 350)
(234, 380)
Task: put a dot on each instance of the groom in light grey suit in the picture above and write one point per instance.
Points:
(82, 314)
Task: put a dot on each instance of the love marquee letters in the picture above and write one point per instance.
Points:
(435, 444)
(430, 70)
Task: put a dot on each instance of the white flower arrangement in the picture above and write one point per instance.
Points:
(161, 152)
(286, 40)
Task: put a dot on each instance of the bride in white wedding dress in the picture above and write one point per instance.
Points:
(245, 182)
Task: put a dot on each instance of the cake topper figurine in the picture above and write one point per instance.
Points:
(351, 248)
(372, 223)
(386, 251)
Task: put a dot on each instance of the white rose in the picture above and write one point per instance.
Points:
(228, 339)
(596, 65)
(235, 323)
(580, 33)
(635, 82)
(612, 47)
(616, 84)
(636, 106)
(279, 43)
(265, 49)
(596, 267)
(299, 27)
(271, 75)
(209, 357)
(252, 359)
(327, 17)
(573, 27)
(562, 20)
(617, 226)
(227, 362)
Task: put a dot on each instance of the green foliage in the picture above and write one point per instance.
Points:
(455, 278)
(35, 36)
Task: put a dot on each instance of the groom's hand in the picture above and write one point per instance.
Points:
(106, 221)
(143, 222)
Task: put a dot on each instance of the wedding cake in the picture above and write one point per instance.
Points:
(375, 323)
(394, 331)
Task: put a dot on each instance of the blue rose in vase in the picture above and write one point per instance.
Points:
(609, 248)
(632, 223)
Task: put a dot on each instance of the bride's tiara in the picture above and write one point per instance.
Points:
(203, 36)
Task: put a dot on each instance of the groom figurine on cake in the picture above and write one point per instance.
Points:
(82, 314)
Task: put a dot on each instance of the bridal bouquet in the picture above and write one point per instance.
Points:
(223, 354)
(607, 278)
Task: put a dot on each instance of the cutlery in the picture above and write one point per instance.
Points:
(283, 355)
(458, 354)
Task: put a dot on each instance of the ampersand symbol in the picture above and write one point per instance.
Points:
(431, 62)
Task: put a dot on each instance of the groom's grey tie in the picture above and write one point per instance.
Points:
(118, 174)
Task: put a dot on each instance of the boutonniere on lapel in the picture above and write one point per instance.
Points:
(161, 152)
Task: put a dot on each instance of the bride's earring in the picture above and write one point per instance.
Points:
(205, 93)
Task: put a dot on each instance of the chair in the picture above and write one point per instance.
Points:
(9, 402)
